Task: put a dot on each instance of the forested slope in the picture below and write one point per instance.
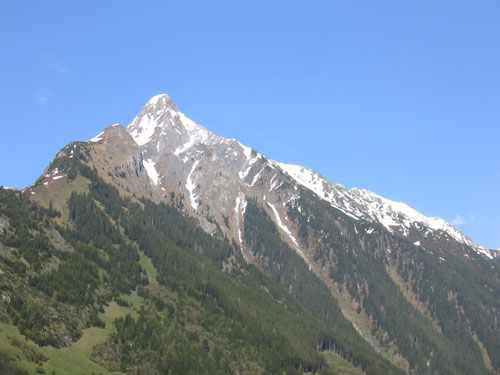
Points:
(203, 310)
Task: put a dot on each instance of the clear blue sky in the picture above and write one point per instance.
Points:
(398, 97)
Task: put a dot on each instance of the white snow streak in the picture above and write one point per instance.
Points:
(97, 138)
(249, 163)
(151, 170)
(243, 174)
(191, 185)
(273, 183)
(257, 176)
(285, 229)
(185, 146)
(241, 205)
(246, 150)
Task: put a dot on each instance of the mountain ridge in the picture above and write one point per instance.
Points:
(161, 111)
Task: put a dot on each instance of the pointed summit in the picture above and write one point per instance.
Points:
(161, 101)
(160, 126)
(159, 110)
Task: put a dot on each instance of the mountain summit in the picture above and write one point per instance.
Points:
(159, 120)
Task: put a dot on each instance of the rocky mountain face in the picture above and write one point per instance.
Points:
(418, 291)
(215, 175)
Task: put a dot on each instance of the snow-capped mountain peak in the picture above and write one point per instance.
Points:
(158, 110)
(161, 122)
(162, 101)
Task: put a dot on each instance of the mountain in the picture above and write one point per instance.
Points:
(172, 143)
(300, 274)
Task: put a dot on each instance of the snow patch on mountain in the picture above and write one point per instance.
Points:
(247, 151)
(257, 176)
(191, 185)
(336, 195)
(97, 138)
(144, 129)
(151, 171)
(240, 209)
(273, 182)
(196, 133)
(52, 173)
(397, 214)
(250, 161)
(306, 177)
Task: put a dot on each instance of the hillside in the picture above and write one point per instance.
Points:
(137, 287)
